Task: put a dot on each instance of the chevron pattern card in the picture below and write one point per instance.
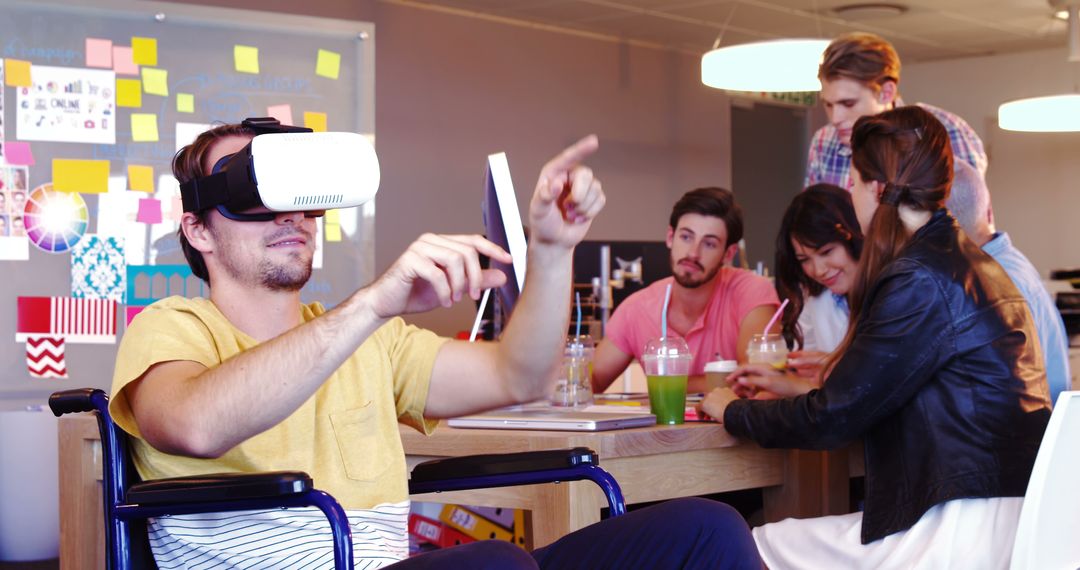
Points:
(45, 357)
(98, 268)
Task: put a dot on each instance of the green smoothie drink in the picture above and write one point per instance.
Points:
(667, 364)
(667, 398)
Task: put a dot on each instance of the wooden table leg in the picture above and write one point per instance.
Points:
(800, 494)
(82, 527)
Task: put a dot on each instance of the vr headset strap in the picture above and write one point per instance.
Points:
(214, 190)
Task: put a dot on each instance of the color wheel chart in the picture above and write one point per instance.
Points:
(55, 221)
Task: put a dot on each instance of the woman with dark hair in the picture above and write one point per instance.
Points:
(817, 253)
(938, 375)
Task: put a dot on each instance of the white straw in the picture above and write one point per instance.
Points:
(663, 312)
(479, 315)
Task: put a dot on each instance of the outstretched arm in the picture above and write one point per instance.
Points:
(522, 366)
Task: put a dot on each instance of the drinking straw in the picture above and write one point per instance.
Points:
(479, 315)
(663, 312)
(776, 315)
(577, 301)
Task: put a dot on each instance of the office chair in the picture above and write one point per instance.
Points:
(1046, 533)
(129, 502)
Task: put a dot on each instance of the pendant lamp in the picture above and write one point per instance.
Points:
(1055, 113)
(769, 66)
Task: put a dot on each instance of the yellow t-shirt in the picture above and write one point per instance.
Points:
(345, 436)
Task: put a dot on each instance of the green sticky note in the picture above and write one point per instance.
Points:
(328, 64)
(144, 51)
(246, 59)
(185, 103)
(144, 127)
(315, 121)
(141, 178)
(155, 81)
(86, 176)
(129, 93)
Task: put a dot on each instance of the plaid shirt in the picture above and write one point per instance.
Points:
(829, 159)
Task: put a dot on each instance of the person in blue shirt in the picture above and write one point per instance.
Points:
(969, 203)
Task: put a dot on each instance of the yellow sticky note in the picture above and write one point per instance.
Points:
(144, 127)
(17, 73)
(86, 176)
(141, 178)
(155, 81)
(333, 232)
(328, 64)
(128, 93)
(185, 103)
(246, 59)
(144, 51)
(315, 121)
(333, 217)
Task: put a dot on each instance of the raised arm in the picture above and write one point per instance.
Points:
(522, 366)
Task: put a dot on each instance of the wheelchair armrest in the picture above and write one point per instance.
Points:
(502, 464)
(71, 401)
(219, 487)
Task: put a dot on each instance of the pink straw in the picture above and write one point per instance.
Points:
(776, 315)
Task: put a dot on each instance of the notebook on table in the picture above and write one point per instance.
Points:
(555, 419)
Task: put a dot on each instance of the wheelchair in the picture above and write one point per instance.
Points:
(129, 502)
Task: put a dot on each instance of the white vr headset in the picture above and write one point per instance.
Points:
(287, 169)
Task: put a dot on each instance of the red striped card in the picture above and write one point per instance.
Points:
(75, 320)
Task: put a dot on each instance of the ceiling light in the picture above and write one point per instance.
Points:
(769, 66)
(1053, 114)
(869, 10)
(1056, 113)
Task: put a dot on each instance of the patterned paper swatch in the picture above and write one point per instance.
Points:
(91, 321)
(45, 357)
(98, 268)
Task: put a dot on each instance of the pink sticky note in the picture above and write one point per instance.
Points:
(18, 153)
(149, 211)
(99, 53)
(130, 313)
(283, 113)
(177, 209)
(123, 62)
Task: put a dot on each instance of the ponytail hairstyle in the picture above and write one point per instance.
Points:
(820, 215)
(907, 150)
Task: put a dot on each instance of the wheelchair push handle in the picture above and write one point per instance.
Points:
(73, 401)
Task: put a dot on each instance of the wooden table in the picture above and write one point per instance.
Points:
(650, 464)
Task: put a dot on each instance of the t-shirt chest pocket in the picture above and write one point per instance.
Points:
(367, 449)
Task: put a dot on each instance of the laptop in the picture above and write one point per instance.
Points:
(554, 419)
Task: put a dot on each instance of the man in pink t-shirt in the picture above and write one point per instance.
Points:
(715, 308)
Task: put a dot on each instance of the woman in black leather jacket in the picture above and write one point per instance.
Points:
(938, 375)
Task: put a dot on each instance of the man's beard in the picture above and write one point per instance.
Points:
(690, 282)
(291, 277)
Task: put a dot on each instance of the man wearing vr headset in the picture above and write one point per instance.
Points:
(252, 379)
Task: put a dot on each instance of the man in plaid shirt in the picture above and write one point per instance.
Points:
(859, 76)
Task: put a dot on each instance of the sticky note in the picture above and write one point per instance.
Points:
(246, 59)
(185, 103)
(86, 176)
(122, 61)
(98, 53)
(129, 93)
(17, 73)
(155, 81)
(176, 208)
(328, 64)
(144, 127)
(141, 178)
(18, 153)
(315, 121)
(283, 113)
(144, 51)
(333, 217)
(149, 211)
(333, 232)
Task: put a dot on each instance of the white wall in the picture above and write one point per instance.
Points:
(1032, 176)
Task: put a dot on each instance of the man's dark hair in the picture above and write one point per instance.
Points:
(189, 164)
(711, 201)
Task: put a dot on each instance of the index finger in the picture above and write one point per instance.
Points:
(571, 156)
